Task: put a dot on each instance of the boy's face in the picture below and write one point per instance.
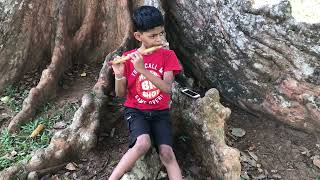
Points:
(153, 37)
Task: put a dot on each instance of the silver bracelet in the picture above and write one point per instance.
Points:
(118, 79)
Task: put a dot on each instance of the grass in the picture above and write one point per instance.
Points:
(15, 97)
(17, 147)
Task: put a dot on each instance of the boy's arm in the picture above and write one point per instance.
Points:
(120, 85)
(164, 85)
(120, 79)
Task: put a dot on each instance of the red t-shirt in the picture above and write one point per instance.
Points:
(141, 93)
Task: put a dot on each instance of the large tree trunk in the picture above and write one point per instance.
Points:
(260, 59)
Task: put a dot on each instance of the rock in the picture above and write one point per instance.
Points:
(238, 132)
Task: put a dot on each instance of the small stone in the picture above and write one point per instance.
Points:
(258, 165)
(238, 132)
(162, 175)
(274, 170)
(276, 176)
(32, 176)
(260, 170)
(60, 125)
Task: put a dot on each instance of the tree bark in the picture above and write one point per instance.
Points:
(259, 59)
(74, 41)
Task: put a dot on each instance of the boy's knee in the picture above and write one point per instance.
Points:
(166, 154)
(142, 144)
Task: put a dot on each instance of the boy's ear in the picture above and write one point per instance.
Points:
(137, 35)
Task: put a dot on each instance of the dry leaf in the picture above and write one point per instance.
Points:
(316, 162)
(37, 131)
(71, 166)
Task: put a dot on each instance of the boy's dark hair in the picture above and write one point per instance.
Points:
(147, 17)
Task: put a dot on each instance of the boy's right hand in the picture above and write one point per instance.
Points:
(118, 69)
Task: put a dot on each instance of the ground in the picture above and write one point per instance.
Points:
(269, 149)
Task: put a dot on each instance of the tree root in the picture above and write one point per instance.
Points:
(46, 88)
(203, 121)
(49, 78)
(80, 137)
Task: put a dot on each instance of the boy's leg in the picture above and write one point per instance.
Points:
(161, 131)
(168, 159)
(139, 141)
(141, 147)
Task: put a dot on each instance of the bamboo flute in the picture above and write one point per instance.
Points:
(125, 58)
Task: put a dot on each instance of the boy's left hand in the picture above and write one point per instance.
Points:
(137, 61)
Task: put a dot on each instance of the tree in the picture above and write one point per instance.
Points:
(260, 59)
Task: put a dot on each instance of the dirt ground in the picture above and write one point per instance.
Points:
(269, 149)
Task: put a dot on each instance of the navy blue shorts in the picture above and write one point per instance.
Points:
(156, 123)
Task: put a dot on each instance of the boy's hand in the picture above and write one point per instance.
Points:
(118, 69)
(137, 61)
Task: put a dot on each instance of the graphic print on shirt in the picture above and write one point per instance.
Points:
(147, 92)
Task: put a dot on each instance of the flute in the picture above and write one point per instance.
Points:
(125, 58)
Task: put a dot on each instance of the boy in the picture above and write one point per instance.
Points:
(146, 81)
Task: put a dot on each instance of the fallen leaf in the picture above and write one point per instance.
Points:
(316, 162)
(71, 166)
(35, 132)
(5, 99)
